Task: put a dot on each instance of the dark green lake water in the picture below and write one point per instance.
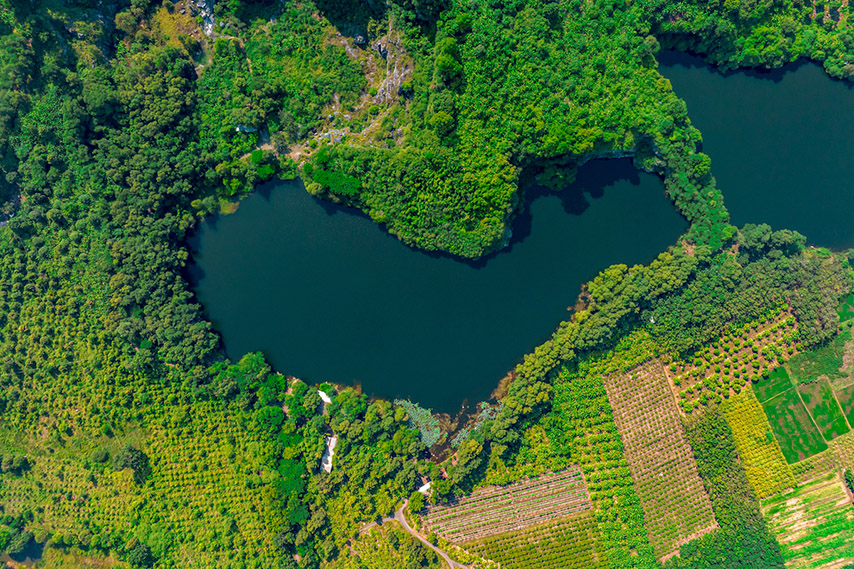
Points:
(328, 295)
(781, 144)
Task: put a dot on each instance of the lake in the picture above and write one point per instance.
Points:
(328, 295)
(781, 144)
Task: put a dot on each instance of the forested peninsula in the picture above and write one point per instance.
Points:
(129, 439)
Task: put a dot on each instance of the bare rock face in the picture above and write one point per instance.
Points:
(381, 49)
(204, 8)
(398, 69)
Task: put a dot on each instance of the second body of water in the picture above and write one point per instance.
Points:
(781, 144)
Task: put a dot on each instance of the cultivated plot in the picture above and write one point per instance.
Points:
(798, 436)
(764, 464)
(502, 509)
(844, 448)
(777, 382)
(728, 364)
(824, 409)
(845, 396)
(566, 544)
(676, 506)
(817, 465)
(814, 523)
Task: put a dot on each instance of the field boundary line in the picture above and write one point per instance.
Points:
(839, 405)
(809, 413)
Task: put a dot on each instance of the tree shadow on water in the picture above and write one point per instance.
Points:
(591, 182)
(673, 58)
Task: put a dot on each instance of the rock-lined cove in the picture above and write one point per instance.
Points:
(328, 295)
(780, 142)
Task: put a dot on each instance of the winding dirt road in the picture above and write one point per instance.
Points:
(401, 519)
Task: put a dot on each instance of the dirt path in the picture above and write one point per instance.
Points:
(401, 519)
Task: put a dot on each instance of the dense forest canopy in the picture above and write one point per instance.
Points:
(129, 435)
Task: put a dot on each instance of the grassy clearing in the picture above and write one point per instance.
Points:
(814, 523)
(822, 405)
(764, 464)
(824, 361)
(568, 544)
(777, 382)
(797, 435)
(676, 506)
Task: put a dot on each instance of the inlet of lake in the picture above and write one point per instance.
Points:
(328, 295)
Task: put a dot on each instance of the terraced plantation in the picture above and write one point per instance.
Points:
(813, 523)
(570, 543)
(676, 506)
(500, 509)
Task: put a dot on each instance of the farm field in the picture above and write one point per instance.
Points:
(764, 464)
(821, 404)
(582, 417)
(777, 382)
(676, 506)
(797, 435)
(571, 543)
(814, 523)
(845, 396)
(728, 364)
(499, 509)
(843, 447)
(817, 465)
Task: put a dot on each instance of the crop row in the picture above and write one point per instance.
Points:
(563, 479)
(661, 461)
(500, 509)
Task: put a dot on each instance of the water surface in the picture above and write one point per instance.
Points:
(781, 144)
(328, 295)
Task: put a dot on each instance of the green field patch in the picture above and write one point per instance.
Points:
(846, 309)
(826, 360)
(569, 544)
(776, 383)
(845, 396)
(814, 523)
(822, 405)
(795, 431)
